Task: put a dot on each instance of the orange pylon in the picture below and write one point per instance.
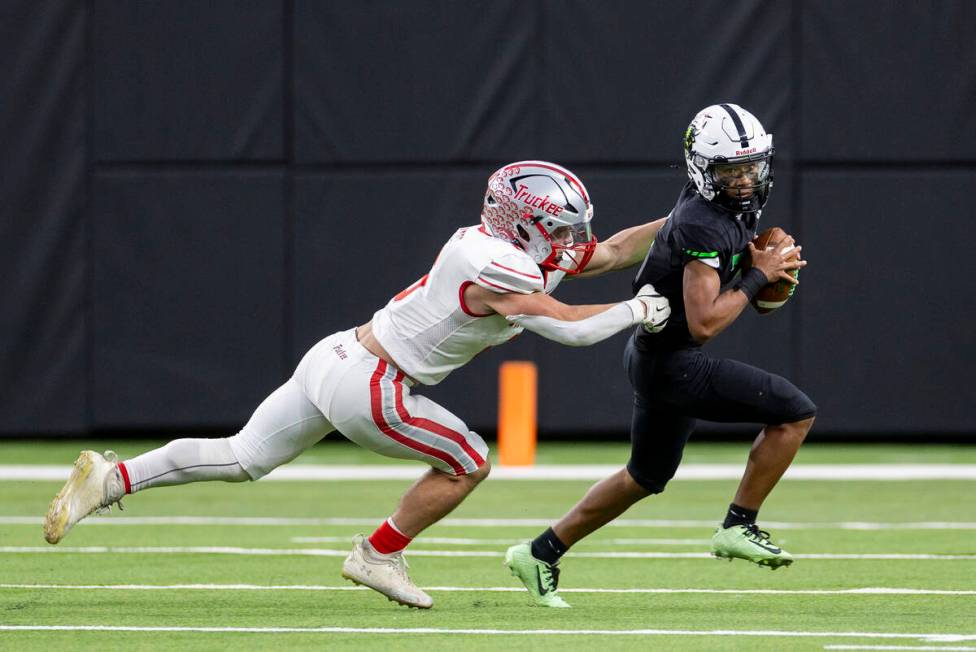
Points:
(517, 392)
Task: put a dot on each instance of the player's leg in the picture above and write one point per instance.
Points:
(283, 425)
(658, 437)
(657, 442)
(602, 503)
(391, 421)
(375, 409)
(434, 496)
(771, 454)
(739, 536)
(741, 393)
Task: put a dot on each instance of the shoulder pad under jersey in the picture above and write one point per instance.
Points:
(702, 241)
(511, 272)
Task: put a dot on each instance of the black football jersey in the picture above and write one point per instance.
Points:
(695, 230)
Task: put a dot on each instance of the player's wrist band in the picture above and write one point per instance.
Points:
(751, 282)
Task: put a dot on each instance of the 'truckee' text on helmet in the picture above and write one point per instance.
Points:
(544, 209)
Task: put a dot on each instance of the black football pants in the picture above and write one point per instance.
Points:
(674, 388)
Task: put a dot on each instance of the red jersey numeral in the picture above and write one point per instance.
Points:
(403, 294)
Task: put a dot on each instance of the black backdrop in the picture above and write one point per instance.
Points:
(193, 193)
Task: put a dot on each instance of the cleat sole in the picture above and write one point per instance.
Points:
(771, 564)
(399, 602)
(56, 519)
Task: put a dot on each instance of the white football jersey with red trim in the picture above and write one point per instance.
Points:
(429, 331)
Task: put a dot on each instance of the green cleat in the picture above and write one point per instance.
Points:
(539, 578)
(750, 543)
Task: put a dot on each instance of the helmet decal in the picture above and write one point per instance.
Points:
(543, 209)
(739, 127)
(545, 204)
(690, 134)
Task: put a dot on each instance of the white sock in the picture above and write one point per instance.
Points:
(183, 461)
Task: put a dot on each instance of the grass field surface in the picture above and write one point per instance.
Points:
(880, 564)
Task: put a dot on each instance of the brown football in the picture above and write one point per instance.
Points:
(773, 295)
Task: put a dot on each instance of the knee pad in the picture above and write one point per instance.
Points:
(648, 479)
(797, 406)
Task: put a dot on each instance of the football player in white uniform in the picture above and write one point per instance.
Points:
(488, 283)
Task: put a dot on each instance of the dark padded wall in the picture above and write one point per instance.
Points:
(194, 193)
(188, 80)
(888, 81)
(889, 341)
(623, 82)
(43, 154)
(187, 296)
(388, 81)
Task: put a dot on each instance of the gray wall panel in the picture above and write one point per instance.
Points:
(188, 80)
(888, 81)
(285, 167)
(625, 80)
(888, 339)
(385, 81)
(188, 297)
(43, 264)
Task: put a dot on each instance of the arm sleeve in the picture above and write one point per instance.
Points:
(516, 274)
(585, 331)
(701, 243)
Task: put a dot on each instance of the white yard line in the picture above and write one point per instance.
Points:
(271, 521)
(455, 541)
(900, 647)
(323, 472)
(655, 542)
(868, 591)
(935, 637)
(421, 540)
(325, 552)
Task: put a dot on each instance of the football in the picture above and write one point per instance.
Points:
(773, 295)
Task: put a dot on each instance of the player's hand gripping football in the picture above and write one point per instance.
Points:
(657, 307)
(777, 262)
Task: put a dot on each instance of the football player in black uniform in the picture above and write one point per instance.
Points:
(696, 262)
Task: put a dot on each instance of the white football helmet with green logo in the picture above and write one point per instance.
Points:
(730, 157)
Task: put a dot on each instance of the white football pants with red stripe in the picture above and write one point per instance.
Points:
(339, 385)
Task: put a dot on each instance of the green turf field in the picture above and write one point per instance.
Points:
(641, 584)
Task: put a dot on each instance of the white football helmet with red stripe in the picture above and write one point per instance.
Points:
(544, 209)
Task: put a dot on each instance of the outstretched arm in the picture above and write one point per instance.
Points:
(567, 324)
(622, 250)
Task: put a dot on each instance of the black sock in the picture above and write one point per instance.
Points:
(740, 516)
(548, 548)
